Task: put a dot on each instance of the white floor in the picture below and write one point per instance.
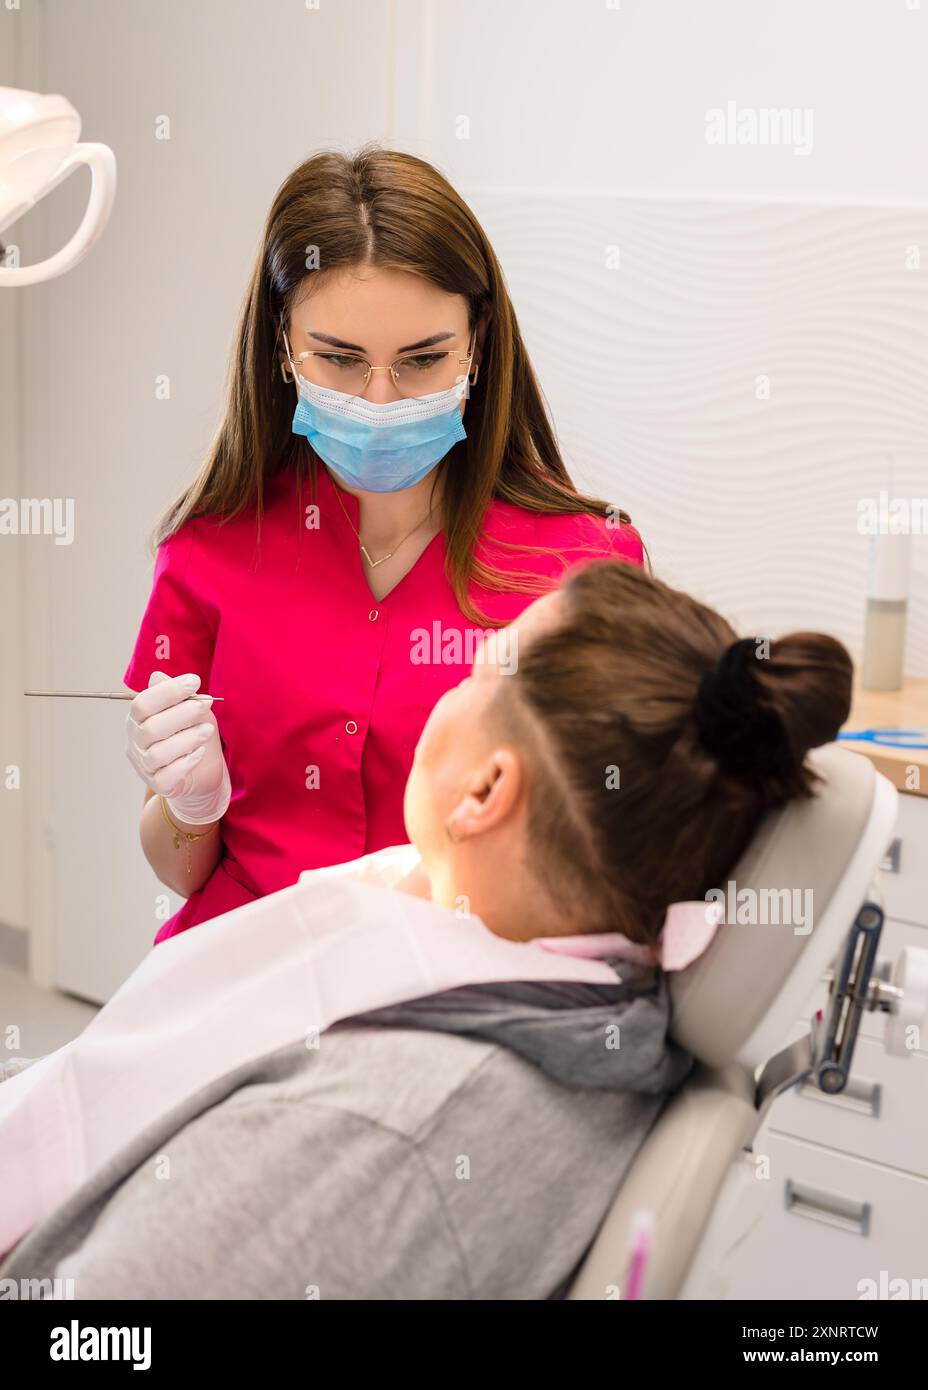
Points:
(45, 1018)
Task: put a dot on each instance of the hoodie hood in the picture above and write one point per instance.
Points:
(605, 1037)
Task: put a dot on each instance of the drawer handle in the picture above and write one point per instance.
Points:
(892, 859)
(862, 1097)
(827, 1207)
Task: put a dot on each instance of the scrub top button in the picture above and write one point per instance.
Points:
(373, 615)
(351, 727)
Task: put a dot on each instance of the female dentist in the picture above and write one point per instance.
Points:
(346, 540)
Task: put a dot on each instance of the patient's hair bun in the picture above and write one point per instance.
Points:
(655, 741)
(765, 704)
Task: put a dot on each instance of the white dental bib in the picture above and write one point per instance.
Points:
(271, 973)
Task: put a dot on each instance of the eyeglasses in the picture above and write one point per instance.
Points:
(415, 374)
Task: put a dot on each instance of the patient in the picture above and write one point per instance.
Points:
(467, 1145)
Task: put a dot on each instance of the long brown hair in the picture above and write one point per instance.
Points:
(382, 207)
(656, 740)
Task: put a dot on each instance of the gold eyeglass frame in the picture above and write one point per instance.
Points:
(321, 352)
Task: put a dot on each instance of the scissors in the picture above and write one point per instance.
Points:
(890, 738)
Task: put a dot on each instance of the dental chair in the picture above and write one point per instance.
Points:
(734, 1007)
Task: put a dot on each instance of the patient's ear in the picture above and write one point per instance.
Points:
(490, 796)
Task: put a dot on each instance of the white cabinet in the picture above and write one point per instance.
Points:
(849, 1174)
(882, 1115)
(905, 889)
(833, 1220)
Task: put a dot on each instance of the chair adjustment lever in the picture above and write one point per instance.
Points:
(823, 1057)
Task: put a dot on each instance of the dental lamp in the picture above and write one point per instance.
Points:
(39, 147)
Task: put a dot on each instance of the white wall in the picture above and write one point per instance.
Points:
(547, 116)
(20, 52)
(250, 91)
(560, 95)
(585, 95)
(12, 817)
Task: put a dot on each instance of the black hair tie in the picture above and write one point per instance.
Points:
(736, 724)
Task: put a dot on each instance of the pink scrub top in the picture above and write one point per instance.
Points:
(326, 690)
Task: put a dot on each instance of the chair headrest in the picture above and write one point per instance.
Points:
(789, 901)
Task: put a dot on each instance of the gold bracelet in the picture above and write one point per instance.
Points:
(188, 835)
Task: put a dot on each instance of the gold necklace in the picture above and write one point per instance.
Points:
(364, 551)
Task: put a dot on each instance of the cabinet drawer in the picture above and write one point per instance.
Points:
(882, 1115)
(905, 892)
(832, 1221)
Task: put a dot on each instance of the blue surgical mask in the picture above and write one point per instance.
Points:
(379, 447)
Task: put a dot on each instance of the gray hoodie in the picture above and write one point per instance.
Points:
(461, 1146)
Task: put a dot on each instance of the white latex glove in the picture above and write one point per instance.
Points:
(174, 746)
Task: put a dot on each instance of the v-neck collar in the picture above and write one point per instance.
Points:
(348, 514)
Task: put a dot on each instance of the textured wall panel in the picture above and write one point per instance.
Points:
(650, 372)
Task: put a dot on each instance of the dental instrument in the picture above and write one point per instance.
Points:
(107, 695)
